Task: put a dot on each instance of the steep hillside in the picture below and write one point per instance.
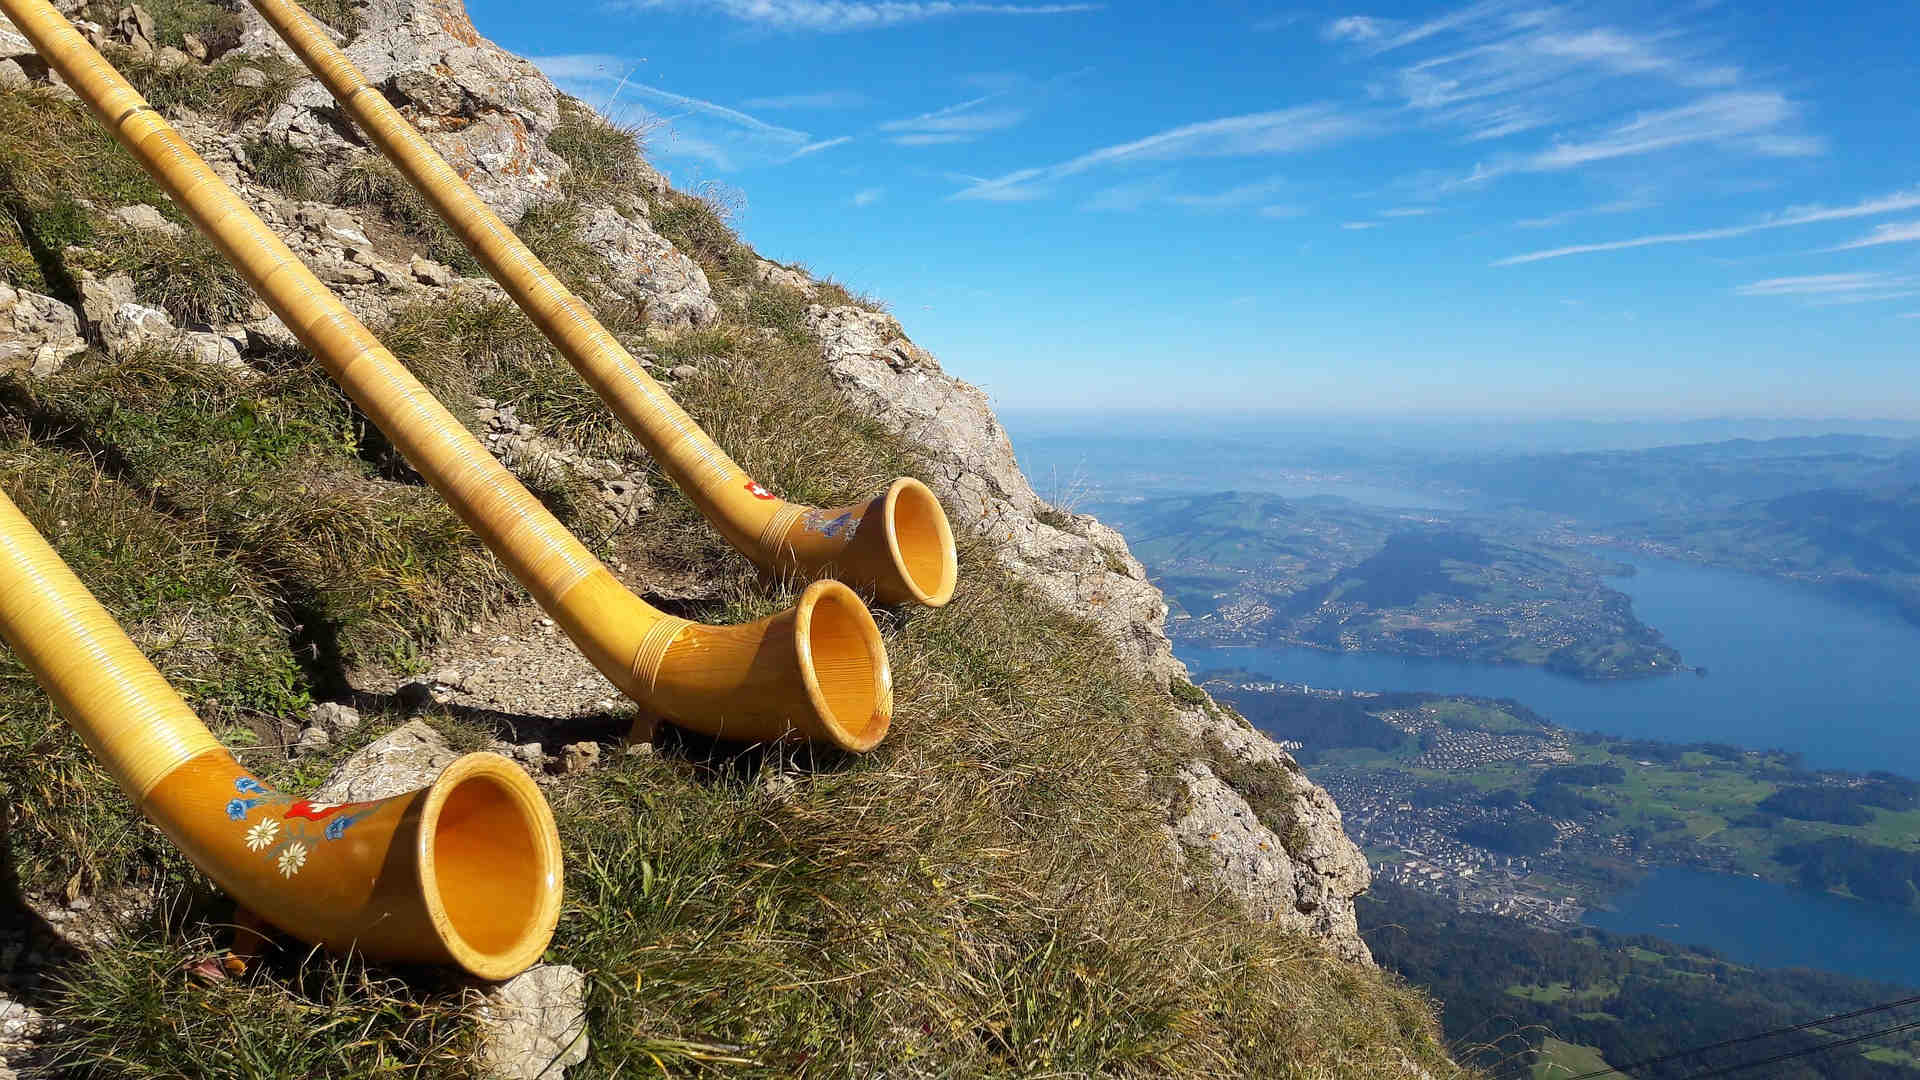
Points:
(1066, 859)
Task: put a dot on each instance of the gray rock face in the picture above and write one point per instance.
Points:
(404, 759)
(643, 266)
(1077, 562)
(774, 274)
(485, 110)
(1085, 568)
(534, 1025)
(37, 333)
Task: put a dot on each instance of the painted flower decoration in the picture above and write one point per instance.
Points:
(237, 809)
(338, 826)
(247, 785)
(293, 858)
(263, 834)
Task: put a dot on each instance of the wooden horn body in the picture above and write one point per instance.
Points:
(818, 671)
(898, 543)
(465, 871)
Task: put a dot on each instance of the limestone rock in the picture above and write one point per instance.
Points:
(408, 757)
(13, 76)
(579, 757)
(142, 216)
(770, 273)
(642, 265)
(487, 111)
(37, 333)
(428, 272)
(100, 296)
(1306, 891)
(312, 741)
(534, 1025)
(334, 718)
(1081, 565)
(1084, 567)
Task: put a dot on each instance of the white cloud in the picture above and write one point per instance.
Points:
(962, 122)
(868, 196)
(1238, 195)
(1279, 211)
(1822, 289)
(824, 99)
(1255, 134)
(1884, 204)
(1356, 226)
(1407, 211)
(1496, 69)
(835, 16)
(1897, 233)
(722, 136)
(1719, 118)
(823, 144)
(1617, 206)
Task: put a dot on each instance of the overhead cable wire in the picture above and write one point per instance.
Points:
(1804, 1025)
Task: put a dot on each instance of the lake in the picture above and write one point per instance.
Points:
(1789, 666)
(1761, 923)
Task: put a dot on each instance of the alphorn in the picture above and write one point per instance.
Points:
(898, 543)
(818, 670)
(465, 871)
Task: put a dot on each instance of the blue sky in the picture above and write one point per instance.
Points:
(1496, 207)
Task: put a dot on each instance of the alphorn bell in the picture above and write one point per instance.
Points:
(898, 543)
(465, 871)
(818, 670)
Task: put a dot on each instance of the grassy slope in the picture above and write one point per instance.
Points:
(988, 894)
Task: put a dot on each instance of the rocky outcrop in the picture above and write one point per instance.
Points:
(643, 267)
(1303, 881)
(486, 111)
(37, 333)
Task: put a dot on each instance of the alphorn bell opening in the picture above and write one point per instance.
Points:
(818, 671)
(466, 871)
(898, 543)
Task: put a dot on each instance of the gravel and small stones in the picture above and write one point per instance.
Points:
(538, 459)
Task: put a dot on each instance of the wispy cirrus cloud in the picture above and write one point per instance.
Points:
(839, 16)
(1747, 122)
(958, 123)
(1904, 232)
(1825, 289)
(719, 135)
(1616, 206)
(1248, 194)
(1281, 131)
(868, 196)
(1883, 204)
(822, 99)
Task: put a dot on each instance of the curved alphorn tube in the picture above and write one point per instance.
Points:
(897, 543)
(465, 871)
(818, 670)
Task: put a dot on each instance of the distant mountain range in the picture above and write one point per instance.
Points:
(1256, 569)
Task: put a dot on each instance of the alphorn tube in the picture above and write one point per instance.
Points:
(465, 871)
(818, 670)
(898, 543)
